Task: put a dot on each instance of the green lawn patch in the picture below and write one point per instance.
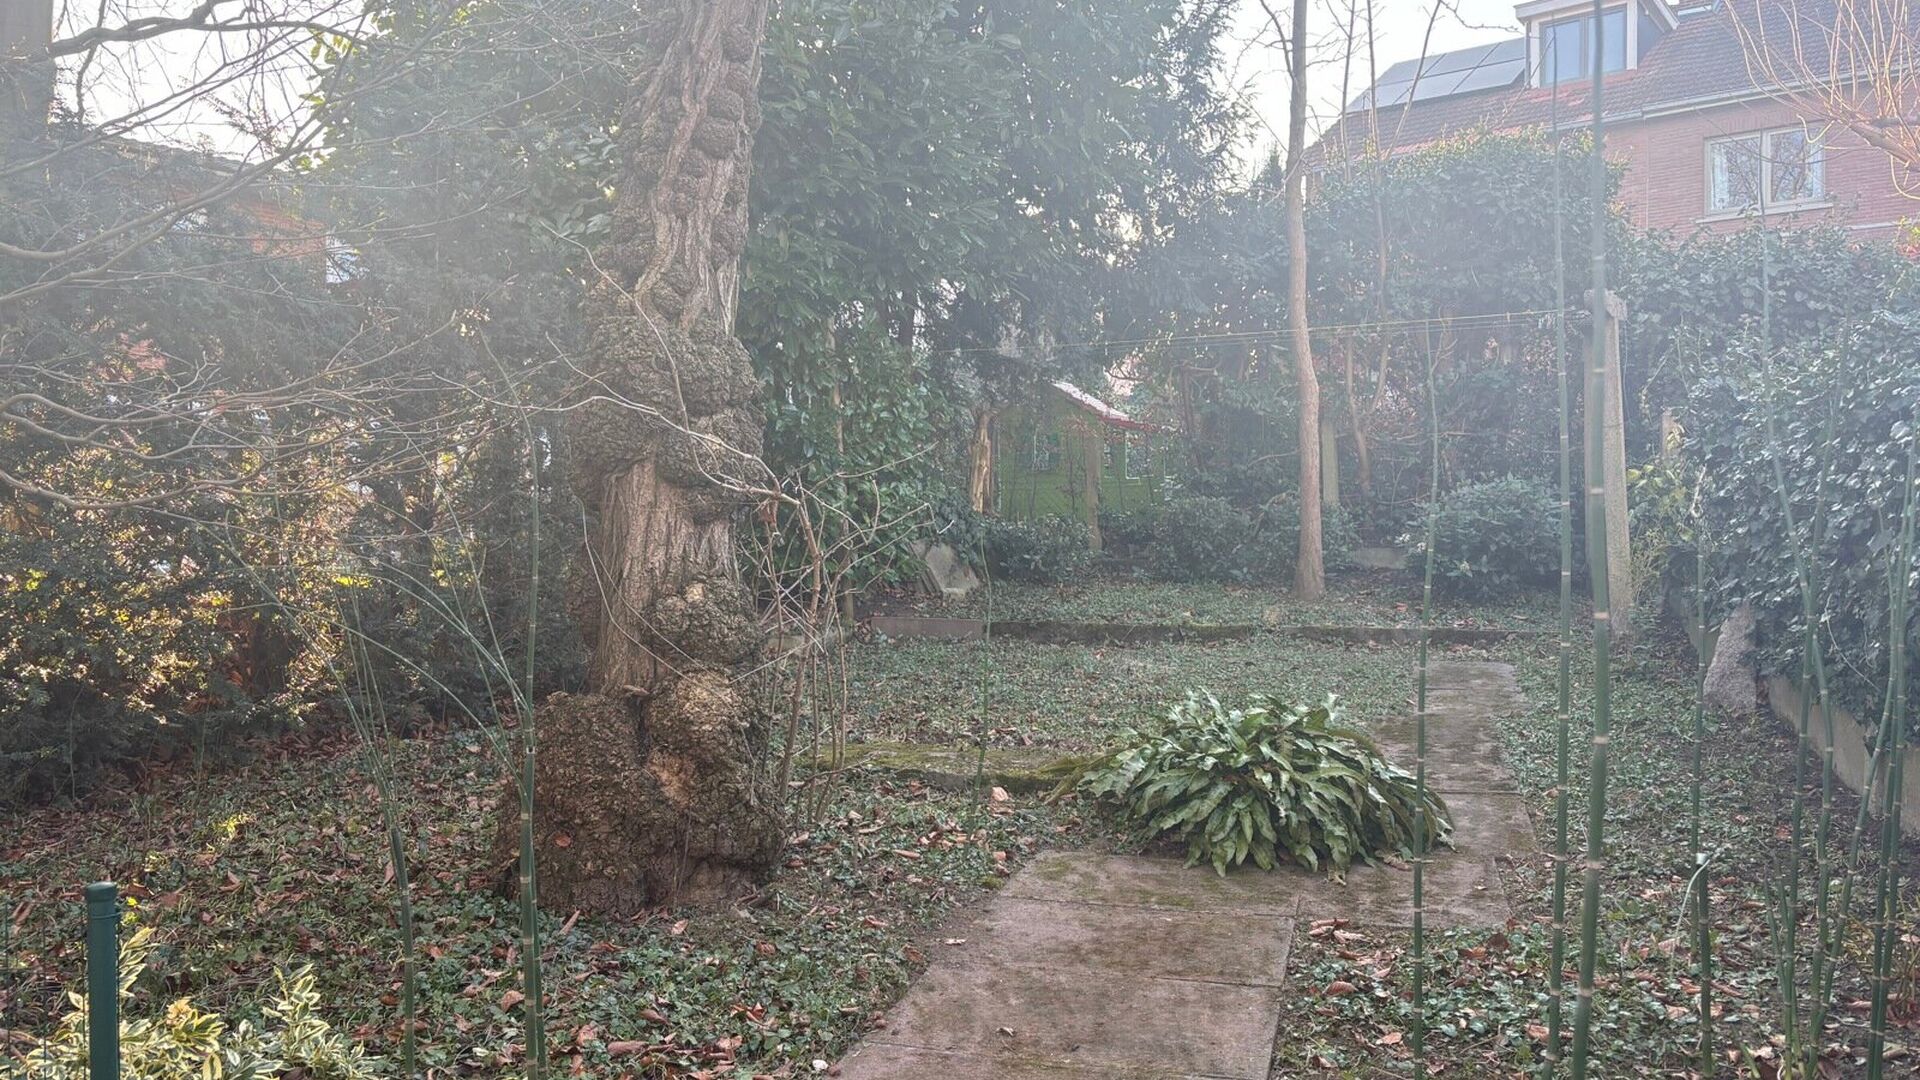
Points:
(1080, 697)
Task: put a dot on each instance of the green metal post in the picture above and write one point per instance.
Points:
(103, 981)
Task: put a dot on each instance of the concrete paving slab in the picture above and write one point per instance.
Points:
(881, 1061)
(1134, 942)
(1462, 755)
(1462, 882)
(1043, 1017)
(1146, 881)
(1491, 825)
(1461, 890)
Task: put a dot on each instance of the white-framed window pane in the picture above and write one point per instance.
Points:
(1614, 45)
(1560, 50)
(1733, 173)
(1566, 47)
(1139, 460)
(1794, 167)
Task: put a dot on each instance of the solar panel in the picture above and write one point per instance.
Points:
(1463, 71)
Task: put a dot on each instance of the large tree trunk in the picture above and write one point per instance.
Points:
(1309, 573)
(646, 791)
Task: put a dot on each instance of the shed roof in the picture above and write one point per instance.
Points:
(1106, 413)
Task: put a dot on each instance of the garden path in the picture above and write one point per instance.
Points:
(1119, 966)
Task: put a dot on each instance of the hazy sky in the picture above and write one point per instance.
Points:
(1255, 66)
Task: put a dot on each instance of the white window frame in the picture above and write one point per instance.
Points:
(1540, 18)
(1765, 206)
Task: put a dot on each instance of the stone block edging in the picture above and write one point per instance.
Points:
(1852, 750)
(1066, 632)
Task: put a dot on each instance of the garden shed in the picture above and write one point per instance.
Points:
(1070, 453)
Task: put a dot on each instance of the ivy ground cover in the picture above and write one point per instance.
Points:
(1486, 997)
(284, 861)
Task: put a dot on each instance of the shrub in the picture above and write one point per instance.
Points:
(1245, 479)
(1272, 780)
(124, 636)
(184, 1041)
(1050, 550)
(1660, 521)
(1126, 532)
(1496, 536)
(1207, 538)
(1275, 544)
(1200, 538)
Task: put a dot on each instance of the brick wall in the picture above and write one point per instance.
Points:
(1665, 186)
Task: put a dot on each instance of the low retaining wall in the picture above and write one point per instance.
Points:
(1063, 632)
(1852, 750)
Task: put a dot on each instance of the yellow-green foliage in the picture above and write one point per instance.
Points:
(186, 1043)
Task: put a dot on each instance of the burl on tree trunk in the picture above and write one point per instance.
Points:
(645, 787)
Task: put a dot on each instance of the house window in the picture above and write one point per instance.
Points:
(343, 261)
(1566, 47)
(1764, 171)
(1045, 452)
(1139, 460)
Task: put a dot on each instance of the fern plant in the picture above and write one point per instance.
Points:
(1274, 780)
(186, 1041)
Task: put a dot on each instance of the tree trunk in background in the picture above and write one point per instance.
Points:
(646, 791)
(1362, 449)
(980, 474)
(1309, 573)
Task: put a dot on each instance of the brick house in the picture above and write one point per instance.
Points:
(1705, 142)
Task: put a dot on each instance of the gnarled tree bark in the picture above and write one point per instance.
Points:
(645, 790)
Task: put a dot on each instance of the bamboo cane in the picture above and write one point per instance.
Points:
(1703, 904)
(1420, 745)
(1807, 1033)
(533, 1005)
(1899, 576)
(1597, 566)
(1563, 709)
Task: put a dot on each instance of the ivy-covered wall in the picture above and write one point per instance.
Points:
(1815, 331)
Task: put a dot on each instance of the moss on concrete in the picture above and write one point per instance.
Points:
(953, 768)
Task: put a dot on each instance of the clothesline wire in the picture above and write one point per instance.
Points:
(1256, 336)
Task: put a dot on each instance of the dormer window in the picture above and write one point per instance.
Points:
(1566, 46)
(1560, 37)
